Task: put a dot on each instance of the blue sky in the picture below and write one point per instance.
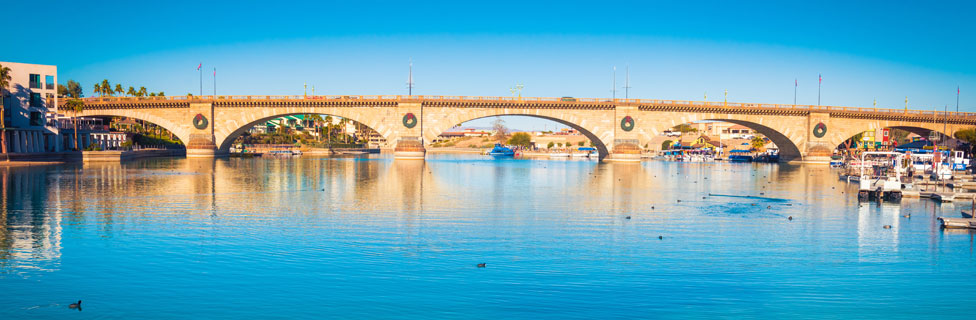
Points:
(866, 50)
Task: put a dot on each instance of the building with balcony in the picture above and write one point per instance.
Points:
(27, 101)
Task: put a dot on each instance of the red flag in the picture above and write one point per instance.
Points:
(200, 66)
(820, 78)
(795, 84)
(215, 72)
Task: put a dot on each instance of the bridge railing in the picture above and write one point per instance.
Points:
(564, 100)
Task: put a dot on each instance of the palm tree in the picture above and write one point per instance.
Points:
(131, 92)
(118, 89)
(98, 89)
(142, 92)
(342, 127)
(77, 106)
(106, 87)
(4, 83)
(328, 128)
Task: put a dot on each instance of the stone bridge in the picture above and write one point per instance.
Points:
(208, 125)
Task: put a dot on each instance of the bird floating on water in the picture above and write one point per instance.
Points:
(789, 218)
(628, 218)
(887, 226)
(75, 305)
(482, 265)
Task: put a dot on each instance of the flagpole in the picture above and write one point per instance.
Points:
(200, 68)
(819, 84)
(215, 82)
(795, 84)
(957, 98)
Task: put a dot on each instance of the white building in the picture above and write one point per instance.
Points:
(32, 94)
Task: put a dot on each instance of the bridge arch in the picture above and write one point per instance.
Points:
(788, 149)
(854, 127)
(226, 135)
(181, 132)
(592, 126)
(918, 130)
(788, 133)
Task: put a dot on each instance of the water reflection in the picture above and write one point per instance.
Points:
(31, 233)
(350, 228)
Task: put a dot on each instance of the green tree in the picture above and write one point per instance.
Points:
(142, 92)
(77, 106)
(550, 145)
(684, 128)
(131, 92)
(160, 94)
(852, 142)
(118, 89)
(152, 94)
(74, 89)
(666, 144)
(580, 143)
(62, 90)
(969, 135)
(757, 143)
(97, 89)
(521, 139)
(4, 83)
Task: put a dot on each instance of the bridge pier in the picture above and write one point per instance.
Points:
(626, 150)
(409, 148)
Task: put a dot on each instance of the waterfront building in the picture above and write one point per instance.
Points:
(87, 129)
(28, 101)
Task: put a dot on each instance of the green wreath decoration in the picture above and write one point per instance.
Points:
(200, 122)
(820, 130)
(409, 120)
(627, 123)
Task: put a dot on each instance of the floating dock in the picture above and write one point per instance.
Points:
(943, 196)
(958, 223)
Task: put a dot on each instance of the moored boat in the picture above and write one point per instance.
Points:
(740, 156)
(501, 151)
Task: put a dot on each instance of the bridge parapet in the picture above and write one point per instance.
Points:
(508, 102)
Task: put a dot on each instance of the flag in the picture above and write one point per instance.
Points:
(215, 72)
(820, 78)
(795, 83)
(200, 66)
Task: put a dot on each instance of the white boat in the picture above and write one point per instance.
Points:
(882, 179)
(559, 155)
(581, 154)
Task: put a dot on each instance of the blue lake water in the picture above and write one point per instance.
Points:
(376, 238)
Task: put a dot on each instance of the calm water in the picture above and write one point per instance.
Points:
(374, 238)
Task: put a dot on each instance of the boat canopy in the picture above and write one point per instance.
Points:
(586, 149)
